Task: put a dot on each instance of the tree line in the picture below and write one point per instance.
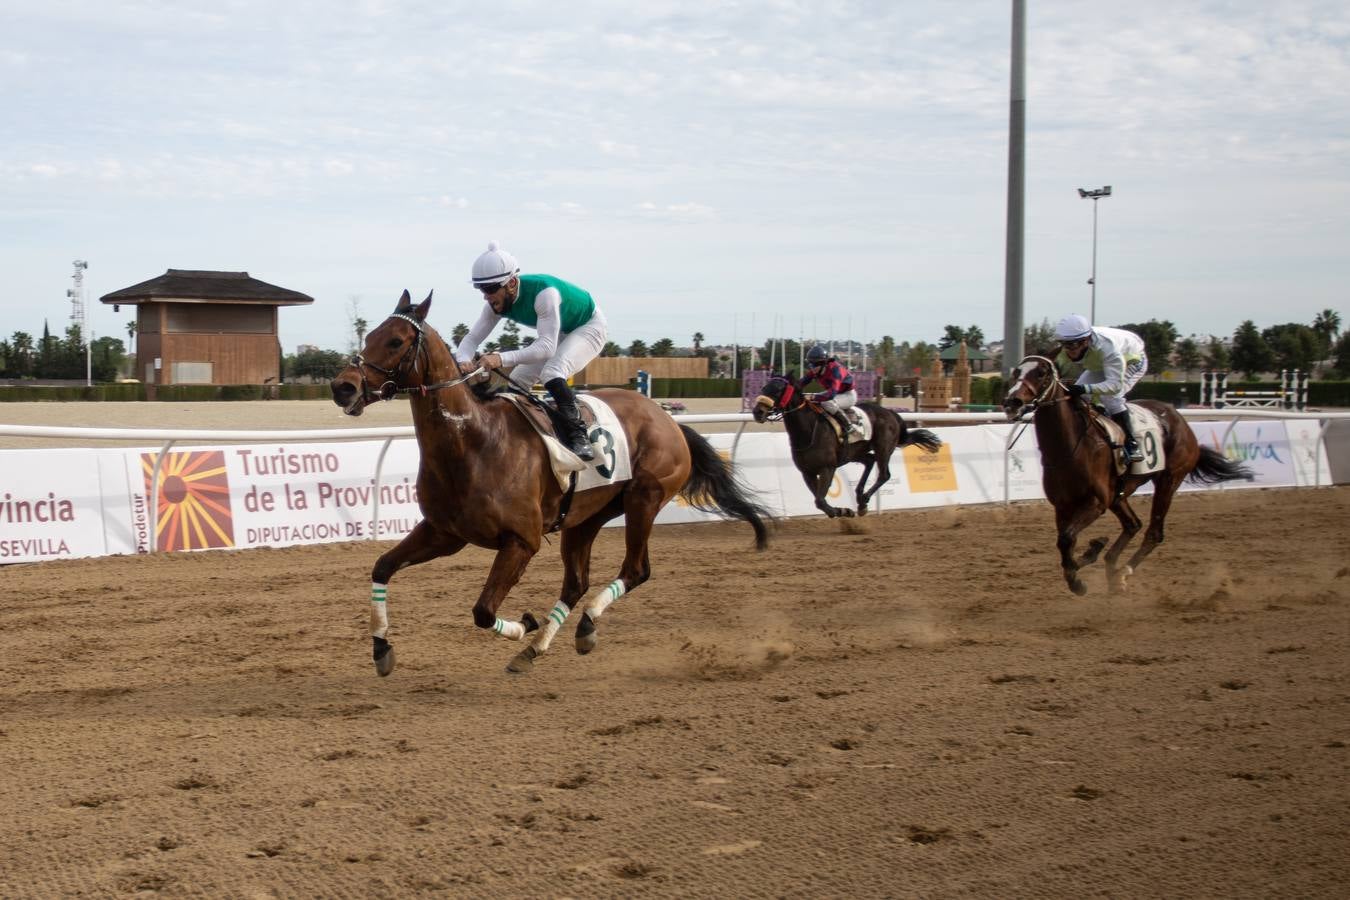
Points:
(61, 358)
(1318, 347)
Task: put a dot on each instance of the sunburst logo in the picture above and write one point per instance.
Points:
(194, 500)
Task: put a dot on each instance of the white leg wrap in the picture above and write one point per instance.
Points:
(512, 631)
(601, 601)
(556, 617)
(379, 616)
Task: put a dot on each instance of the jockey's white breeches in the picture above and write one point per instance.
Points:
(840, 402)
(575, 350)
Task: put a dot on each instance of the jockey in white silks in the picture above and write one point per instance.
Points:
(1108, 362)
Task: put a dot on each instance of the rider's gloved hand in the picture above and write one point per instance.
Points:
(1077, 390)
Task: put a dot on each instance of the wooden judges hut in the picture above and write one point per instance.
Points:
(206, 327)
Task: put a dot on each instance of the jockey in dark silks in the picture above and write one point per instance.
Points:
(837, 383)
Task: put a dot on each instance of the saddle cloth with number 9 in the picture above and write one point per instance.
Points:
(1147, 431)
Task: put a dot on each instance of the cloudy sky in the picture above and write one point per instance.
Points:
(734, 168)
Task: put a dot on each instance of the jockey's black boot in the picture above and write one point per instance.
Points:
(844, 424)
(575, 439)
(1132, 451)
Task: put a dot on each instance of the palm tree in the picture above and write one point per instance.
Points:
(1327, 325)
(1327, 322)
(698, 342)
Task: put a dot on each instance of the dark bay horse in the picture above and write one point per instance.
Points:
(816, 451)
(1079, 469)
(485, 479)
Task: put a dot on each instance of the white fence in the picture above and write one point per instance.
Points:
(279, 488)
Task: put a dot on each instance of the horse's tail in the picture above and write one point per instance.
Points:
(1214, 467)
(921, 437)
(713, 487)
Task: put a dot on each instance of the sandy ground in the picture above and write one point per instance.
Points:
(913, 708)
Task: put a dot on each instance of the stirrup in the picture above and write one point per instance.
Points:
(578, 444)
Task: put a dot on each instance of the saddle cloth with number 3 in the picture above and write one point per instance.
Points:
(612, 462)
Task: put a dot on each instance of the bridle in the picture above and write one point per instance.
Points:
(1043, 396)
(390, 387)
(778, 410)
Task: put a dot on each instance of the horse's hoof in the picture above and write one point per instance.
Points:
(523, 661)
(586, 639)
(384, 657)
(1078, 587)
(862, 511)
(529, 621)
(846, 513)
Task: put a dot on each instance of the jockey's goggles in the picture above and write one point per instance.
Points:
(490, 289)
(1075, 343)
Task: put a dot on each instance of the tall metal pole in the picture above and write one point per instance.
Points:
(1092, 314)
(1013, 338)
(1094, 195)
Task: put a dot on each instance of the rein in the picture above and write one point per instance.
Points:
(1042, 399)
(390, 388)
(778, 411)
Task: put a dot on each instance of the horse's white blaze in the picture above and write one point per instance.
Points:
(556, 617)
(379, 615)
(601, 601)
(512, 631)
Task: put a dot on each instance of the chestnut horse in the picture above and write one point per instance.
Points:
(816, 451)
(485, 479)
(1079, 469)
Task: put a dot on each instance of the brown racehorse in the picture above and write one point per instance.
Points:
(1079, 469)
(485, 479)
(815, 447)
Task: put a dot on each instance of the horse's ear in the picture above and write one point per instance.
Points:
(403, 302)
(420, 313)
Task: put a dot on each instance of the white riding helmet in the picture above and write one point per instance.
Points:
(494, 265)
(1072, 328)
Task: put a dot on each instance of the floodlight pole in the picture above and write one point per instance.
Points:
(1095, 195)
(1014, 339)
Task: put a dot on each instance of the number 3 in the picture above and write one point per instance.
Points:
(606, 469)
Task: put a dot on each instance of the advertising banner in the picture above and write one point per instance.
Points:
(1260, 444)
(67, 503)
(263, 495)
(51, 506)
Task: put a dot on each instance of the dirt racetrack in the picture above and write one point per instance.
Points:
(918, 709)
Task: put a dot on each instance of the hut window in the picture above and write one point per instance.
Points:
(191, 373)
(219, 318)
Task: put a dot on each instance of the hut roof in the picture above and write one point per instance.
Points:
(190, 285)
(952, 353)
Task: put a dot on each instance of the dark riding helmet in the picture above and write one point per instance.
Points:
(816, 355)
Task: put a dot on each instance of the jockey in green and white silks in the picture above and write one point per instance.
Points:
(571, 332)
(1105, 363)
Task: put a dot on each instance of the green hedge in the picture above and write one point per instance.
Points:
(33, 393)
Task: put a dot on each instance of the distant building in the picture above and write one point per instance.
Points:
(196, 327)
(978, 359)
